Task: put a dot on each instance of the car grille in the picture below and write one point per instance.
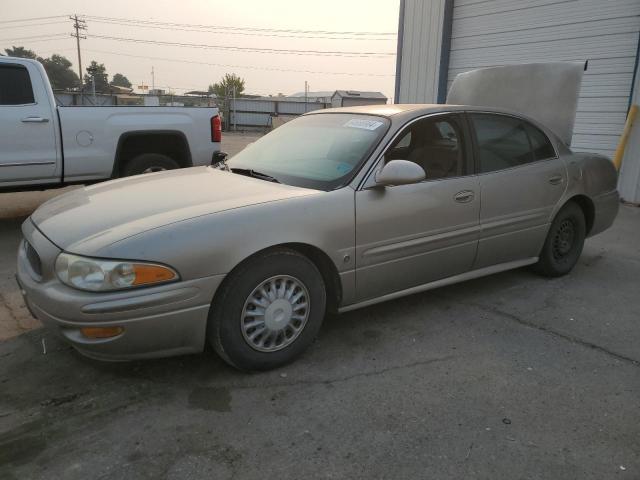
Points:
(33, 258)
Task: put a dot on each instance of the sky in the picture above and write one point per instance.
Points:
(201, 22)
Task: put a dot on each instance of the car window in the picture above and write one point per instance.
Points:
(433, 143)
(502, 142)
(405, 141)
(320, 151)
(15, 85)
(540, 144)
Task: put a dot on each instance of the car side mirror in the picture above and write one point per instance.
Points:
(218, 157)
(400, 172)
(218, 161)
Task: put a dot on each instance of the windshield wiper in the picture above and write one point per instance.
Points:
(253, 173)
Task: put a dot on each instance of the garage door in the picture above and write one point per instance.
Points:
(488, 33)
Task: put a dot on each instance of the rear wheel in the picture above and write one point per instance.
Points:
(148, 163)
(564, 242)
(268, 311)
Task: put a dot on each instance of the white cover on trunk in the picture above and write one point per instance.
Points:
(546, 92)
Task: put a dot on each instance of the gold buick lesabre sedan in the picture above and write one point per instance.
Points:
(335, 210)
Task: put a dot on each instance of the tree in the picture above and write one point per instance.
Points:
(61, 76)
(120, 80)
(98, 72)
(20, 52)
(226, 86)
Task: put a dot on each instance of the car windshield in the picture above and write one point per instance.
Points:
(313, 151)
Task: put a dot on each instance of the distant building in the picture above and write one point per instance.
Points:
(342, 98)
(322, 96)
(197, 93)
(352, 98)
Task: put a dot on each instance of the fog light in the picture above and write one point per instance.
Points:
(101, 332)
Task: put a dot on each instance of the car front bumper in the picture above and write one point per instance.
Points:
(157, 321)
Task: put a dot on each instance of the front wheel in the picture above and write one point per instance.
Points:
(564, 242)
(268, 311)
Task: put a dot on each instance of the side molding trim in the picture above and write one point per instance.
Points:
(441, 283)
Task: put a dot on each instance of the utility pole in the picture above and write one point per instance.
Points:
(153, 80)
(79, 25)
(306, 94)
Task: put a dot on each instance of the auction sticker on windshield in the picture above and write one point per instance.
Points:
(364, 124)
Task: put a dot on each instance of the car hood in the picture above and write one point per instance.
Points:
(91, 218)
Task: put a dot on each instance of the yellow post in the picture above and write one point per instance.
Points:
(624, 138)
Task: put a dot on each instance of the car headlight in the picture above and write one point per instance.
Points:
(98, 275)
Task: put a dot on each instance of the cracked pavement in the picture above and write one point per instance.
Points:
(505, 377)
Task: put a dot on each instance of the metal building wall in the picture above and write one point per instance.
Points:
(248, 112)
(500, 32)
(420, 50)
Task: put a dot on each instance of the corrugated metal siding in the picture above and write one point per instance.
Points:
(489, 33)
(248, 112)
(419, 69)
(296, 108)
(250, 105)
(245, 119)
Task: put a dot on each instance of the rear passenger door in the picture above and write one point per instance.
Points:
(521, 180)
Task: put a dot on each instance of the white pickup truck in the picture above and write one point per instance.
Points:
(43, 145)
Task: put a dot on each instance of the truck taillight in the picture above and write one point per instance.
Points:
(216, 129)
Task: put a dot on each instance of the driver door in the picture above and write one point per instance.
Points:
(409, 235)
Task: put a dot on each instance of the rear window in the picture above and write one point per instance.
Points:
(15, 85)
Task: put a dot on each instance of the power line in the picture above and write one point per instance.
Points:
(251, 67)
(326, 53)
(49, 36)
(248, 29)
(248, 34)
(32, 19)
(34, 25)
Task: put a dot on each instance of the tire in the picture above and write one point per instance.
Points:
(563, 245)
(236, 306)
(147, 163)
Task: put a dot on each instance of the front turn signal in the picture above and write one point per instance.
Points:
(101, 332)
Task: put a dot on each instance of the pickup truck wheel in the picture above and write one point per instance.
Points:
(147, 163)
(268, 311)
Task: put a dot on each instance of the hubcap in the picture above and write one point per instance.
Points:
(275, 313)
(563, 239)
(154, 169)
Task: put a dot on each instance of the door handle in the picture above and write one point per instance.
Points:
(34, 120)
(555, 180)
(465, 196)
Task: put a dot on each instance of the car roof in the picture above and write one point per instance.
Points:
(386, 110)
(403, 112)
(6, 59)
(412, 109)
